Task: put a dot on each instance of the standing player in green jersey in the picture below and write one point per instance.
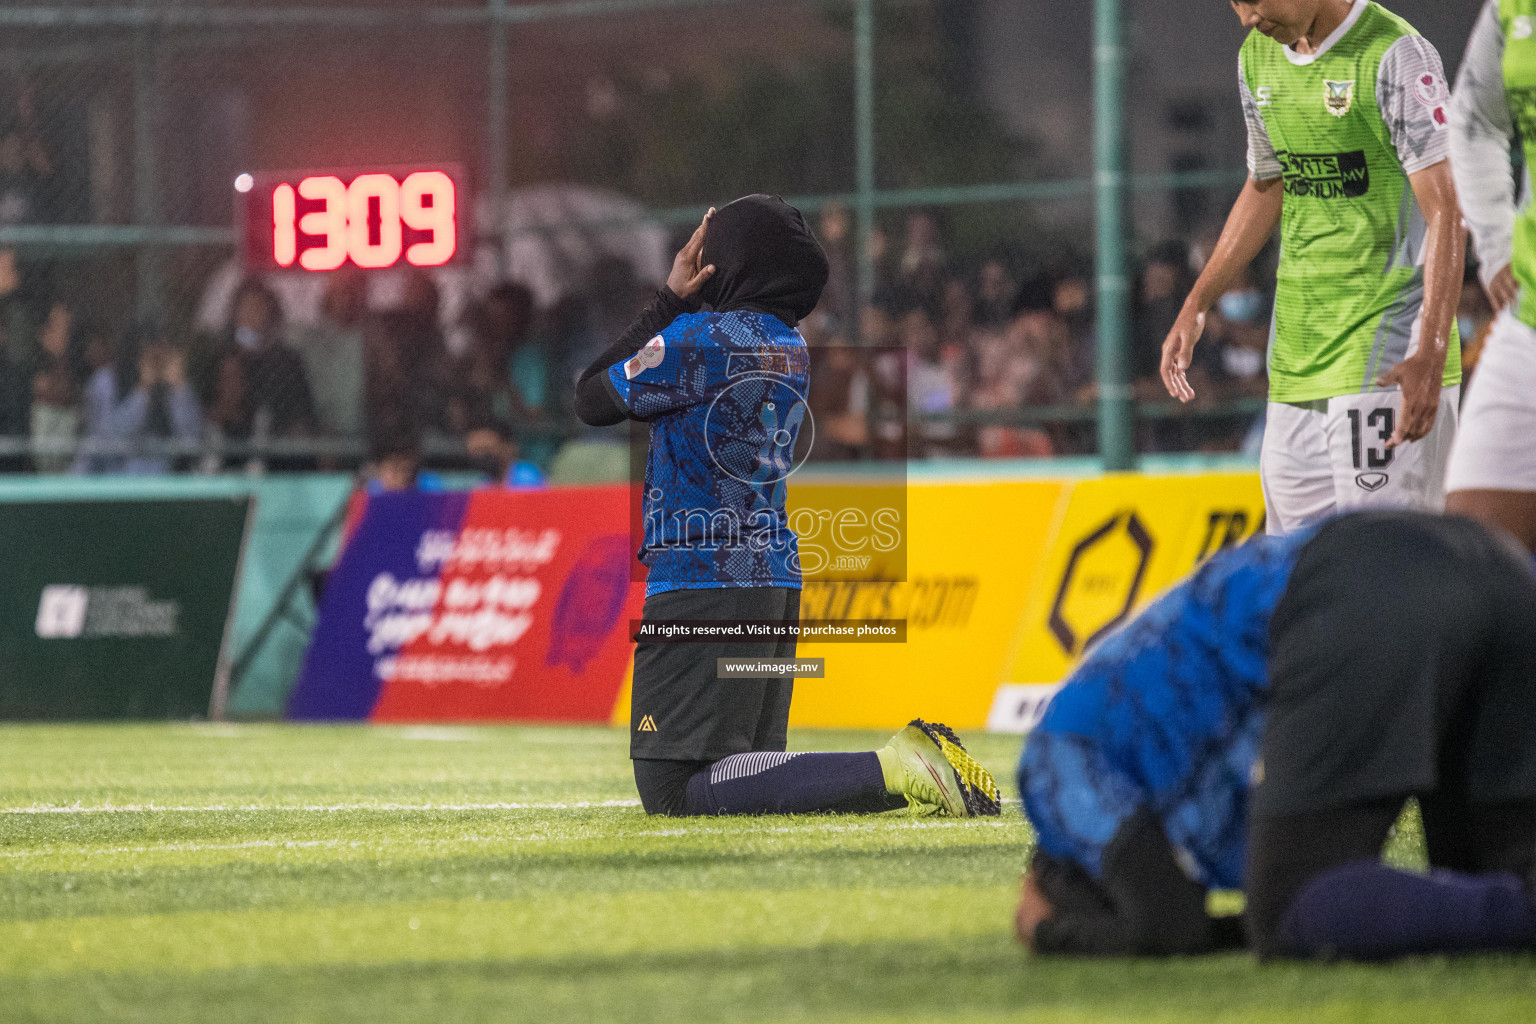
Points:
(1348, 153)
(1492, 475)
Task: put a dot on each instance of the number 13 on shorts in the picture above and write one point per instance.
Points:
(1331, 456)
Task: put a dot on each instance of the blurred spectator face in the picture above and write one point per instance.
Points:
(922, 231)
(834, 224)
(1473, 312)
(420, 297)
(397, 471)
(54, 335)
(919, 335)
(493, 454)
(1243, 305)
(345, 299)
(1159, 282)
(98, 351)
(878, 243)
(815, 330)
(160, 362)
(876, 326)
(995, 291)
(52, 387)
(256, 314)
(10, 275)
(508, 311)
(1073, 298)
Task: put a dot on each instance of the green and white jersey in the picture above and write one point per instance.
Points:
(1494, 105)
(1345, 127)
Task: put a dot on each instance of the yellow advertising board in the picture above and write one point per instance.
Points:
(973, 552)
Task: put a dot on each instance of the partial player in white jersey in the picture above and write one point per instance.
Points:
(1492, 475)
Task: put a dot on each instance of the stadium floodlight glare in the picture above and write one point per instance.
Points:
(244, 183)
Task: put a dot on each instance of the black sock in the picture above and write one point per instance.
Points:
(1368, 911)
(776, 783)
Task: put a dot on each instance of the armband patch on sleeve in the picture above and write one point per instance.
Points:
(648, 358)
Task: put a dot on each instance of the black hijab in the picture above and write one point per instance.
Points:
(766, 260)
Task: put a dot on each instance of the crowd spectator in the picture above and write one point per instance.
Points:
(18, 315)
(1018, 366)
(996, 289)
(137, 405)
(935, 383)
(839, 299)
(405, 366)
(1474, 321)
(502, 378)
(332, 353)
(1165, 281)
(920, 267)
(259, 389)
(54, 419)
(26, 168)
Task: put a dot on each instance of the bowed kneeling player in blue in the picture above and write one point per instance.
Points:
(724, 393)
(1261, 725)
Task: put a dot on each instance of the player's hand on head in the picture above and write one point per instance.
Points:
(687, 276)
(1419, 380)
(1502, 290)
(1178, 351)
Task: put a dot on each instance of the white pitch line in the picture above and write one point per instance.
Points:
(871, 826)
(287, 844)
(324, 808)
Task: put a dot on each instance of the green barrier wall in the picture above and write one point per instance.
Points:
(291, 511)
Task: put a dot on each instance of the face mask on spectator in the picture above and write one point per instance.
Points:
(1467, 328)
(1243, 306)
(1242, 362)
(247, 337)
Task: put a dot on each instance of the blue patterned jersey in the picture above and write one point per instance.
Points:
(725, 395)
(1166, 713)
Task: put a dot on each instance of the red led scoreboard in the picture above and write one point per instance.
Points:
(373, 219)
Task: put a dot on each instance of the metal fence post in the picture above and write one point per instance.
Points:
(496, 158)
(864, 156)
(147, 210)
(1117, 413)
(496, 139)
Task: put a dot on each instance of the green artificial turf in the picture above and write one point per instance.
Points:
(269, 873)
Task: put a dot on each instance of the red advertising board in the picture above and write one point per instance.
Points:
(499, 605)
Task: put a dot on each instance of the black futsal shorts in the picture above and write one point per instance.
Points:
(680, 711)
(1402, 661)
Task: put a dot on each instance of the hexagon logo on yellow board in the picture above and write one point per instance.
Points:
(1122, 540)
(1101, 582)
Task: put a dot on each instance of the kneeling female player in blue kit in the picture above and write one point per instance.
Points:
(724, 394)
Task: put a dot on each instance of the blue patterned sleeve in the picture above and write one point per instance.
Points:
(1075, 799)
(676, 369)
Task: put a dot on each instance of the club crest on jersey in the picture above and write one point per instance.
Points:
(648, 358)
(1431, 90)
(1338, 97)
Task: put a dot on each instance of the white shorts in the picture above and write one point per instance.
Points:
(1331, 455)
(1496, 449)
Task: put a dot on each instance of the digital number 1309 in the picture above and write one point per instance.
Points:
(365, 221)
